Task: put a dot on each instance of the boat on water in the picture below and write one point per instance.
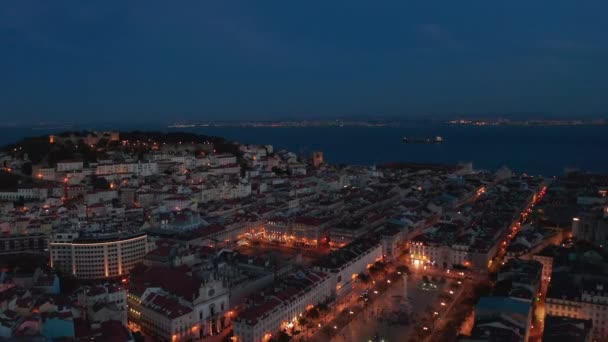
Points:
(435, 140)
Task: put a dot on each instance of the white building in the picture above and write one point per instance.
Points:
(138, 169)
(45, 173)
(207, 298)
(99, 256)
(11, 196)
(100, 196)
(225, 191)
(69, 165)
(589, 300)
(279, 310)
(166, 318)
(31, 193)
(222, 159)
(106, 294)
(345, 264)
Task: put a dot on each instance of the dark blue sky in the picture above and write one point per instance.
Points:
(165, 60)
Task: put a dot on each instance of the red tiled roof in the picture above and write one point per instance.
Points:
(161, 251)
(287, 293)
(171, 280)
(97, 290)
(110, 331)
(209, 230)
(165, 306)
(309, 221)
(252, 314)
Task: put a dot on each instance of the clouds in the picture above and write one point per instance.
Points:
(240, 58)
(60, 27)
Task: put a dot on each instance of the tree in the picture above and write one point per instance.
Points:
(313, 313)
(86, 152)
(100, 183)
(380, 265)
(9, 180)
(363, 277)
(282, 336)
(373, 270)
(26, 169)
(403, 269)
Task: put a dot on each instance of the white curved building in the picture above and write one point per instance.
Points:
(97, 256)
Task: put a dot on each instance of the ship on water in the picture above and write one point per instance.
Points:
(435, 140)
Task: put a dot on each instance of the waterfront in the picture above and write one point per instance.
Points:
(545, 150)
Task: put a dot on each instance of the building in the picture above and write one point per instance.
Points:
(272, 311)
(97, 256)
(439, 247)
(346, 232)
(203, 293)
(393, 243)
(58, 324)
(19, 195)
(567, 329)
(301, 231)
(138, 169)
(23, 243)
(223, 159)
(580, 298)
(592, 226)
(41, 280)
(519, 278)
(345, 264)
(165, 317)
(508, 314)
(69, 165)
(44, 173)
(225, 190)
(105, 298)
(308, 231)
(500, 319)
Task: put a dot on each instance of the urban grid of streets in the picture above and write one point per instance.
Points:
(432, 292)
(372, 322)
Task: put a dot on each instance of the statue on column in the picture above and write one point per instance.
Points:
(405, 305)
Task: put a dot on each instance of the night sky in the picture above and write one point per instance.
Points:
(196, 60)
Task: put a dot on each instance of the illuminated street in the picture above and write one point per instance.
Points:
(376, 318)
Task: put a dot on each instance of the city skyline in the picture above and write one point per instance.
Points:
(179, 236)
(309, 172)
(238, 61)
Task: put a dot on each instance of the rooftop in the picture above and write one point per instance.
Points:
(168, 307)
